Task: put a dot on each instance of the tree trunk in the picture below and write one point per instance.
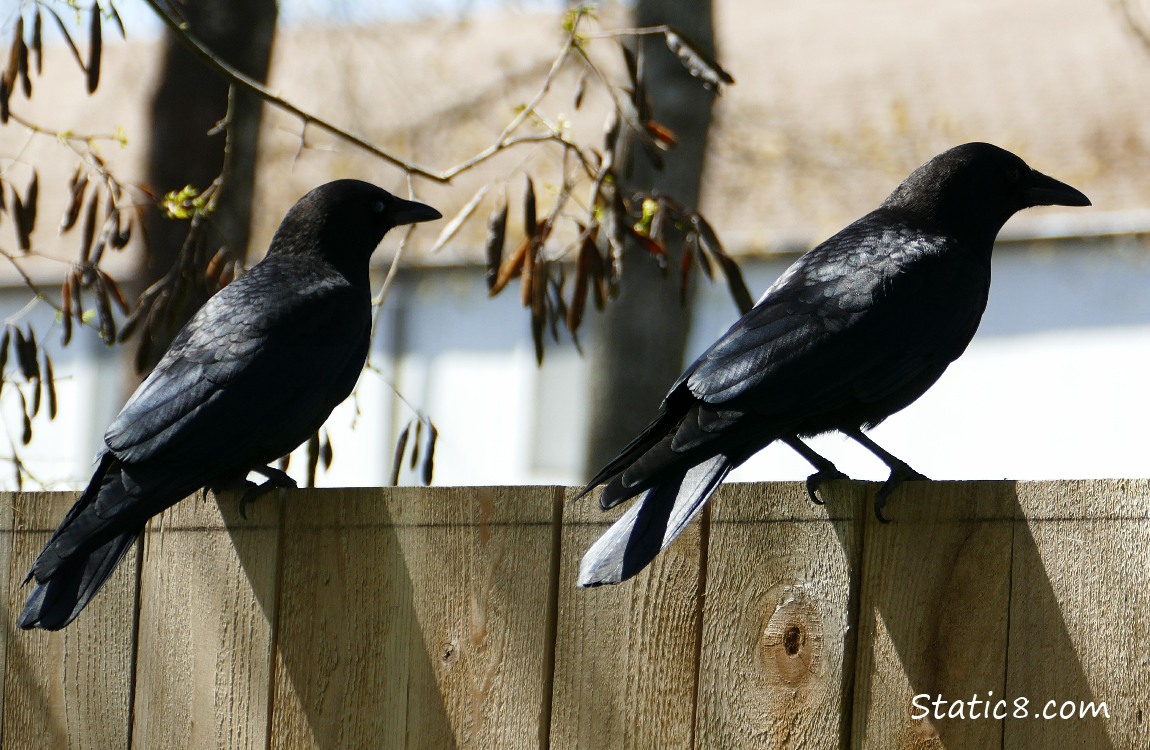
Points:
(188, 102)
(638, 350)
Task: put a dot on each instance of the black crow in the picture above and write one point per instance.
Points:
(852, 332)
(252, 375)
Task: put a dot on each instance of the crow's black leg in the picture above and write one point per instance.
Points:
(900, 471)
(826, 470)
(276, 479)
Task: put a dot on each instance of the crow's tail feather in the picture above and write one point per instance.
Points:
(653, 522)
(57, 601)
(651, 435)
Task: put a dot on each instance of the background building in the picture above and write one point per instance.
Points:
(835, 102)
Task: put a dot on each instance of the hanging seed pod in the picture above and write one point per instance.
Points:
(697, 64)
(709, 241)
(397, 460)
(493, 249)
(429, 454)
(95, 48)
(66, 309)
(50, 384)
(529, 208)
(67, 37)
(38, 40)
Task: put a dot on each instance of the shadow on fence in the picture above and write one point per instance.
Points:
(987, 614)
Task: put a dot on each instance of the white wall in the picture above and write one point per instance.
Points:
(1054, 384)
(89, 391)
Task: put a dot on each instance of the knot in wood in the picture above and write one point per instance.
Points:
(449, 653)
(792, 638)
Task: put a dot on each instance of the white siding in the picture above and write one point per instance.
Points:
(1053, 386)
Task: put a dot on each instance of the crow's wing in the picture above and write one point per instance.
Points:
(855, 330)
(256, 370)
(864, 318)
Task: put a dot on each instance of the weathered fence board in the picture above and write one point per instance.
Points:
(73, 688)
(415, 619)
(625, 655)
(933, 614)
(343, 638)
(777, 626)
(207, 604)
(1080, 613)
(449, 618)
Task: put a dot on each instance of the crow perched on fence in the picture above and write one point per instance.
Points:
(855, 330)
(253, 374)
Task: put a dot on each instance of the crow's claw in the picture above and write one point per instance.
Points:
(826, 470)
(825, 474)
(276, 479)
(899, 473)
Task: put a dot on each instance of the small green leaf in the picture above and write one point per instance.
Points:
(182, 204)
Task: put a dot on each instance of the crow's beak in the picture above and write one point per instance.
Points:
(409, 212)
(1047, 191)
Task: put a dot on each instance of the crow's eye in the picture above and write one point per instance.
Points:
(1013, 174)
(379, 207)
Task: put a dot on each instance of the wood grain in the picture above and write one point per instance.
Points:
(625, 654)
(933, 616)
(1080, 614)
(778, 627)
(9, 607)
(72, 688)
(205, 646)
(450, 618)
(415, 618)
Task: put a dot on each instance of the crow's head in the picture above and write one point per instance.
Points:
(344, 220)
(974, 188)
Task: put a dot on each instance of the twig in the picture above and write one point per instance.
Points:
(37, 293)
(503, 142)
(1135, 24)
(634, 31)
(255, 87)
(64, 135)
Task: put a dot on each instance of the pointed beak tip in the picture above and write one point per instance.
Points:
(1076, 199)
(1047, 191)
(1068, 196)
(1063, 195)
(417, 213)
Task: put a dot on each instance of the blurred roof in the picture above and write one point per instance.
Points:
(835, 102)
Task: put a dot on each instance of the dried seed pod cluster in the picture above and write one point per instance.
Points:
(612, 216)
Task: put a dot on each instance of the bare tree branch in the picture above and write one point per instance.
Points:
(1134, 21)
(503, 142)
(237, 78)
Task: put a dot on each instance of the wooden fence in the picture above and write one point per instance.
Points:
(449, 618)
